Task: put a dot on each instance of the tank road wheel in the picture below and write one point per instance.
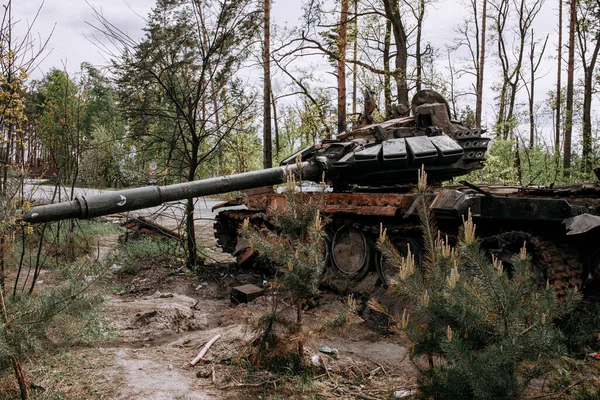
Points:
(386, 270)
(350, 253)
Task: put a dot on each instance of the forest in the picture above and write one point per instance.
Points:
(254, 94)
(219, 87)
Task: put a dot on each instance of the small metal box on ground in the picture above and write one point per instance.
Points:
(245, 293)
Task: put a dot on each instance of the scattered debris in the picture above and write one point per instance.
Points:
(398, 394)
(116, 268)
(159, 295)
(141, 226)
(204, 350)
(315, 361)
(145, 317)
(595, 356)
(330, 351)
(310, 303)
(245, 293)
(243, 251)
(204, 373)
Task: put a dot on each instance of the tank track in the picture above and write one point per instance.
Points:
(225, 227)
(564, 267)
(552, 261)
(227, 224)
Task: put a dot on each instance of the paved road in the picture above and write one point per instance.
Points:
(37, 190)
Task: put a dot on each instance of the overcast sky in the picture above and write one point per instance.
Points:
(70, 42)
(71, 19)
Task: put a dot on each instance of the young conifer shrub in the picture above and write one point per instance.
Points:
(485, 333)
(295, 245)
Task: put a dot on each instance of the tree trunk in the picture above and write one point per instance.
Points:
(23, 387)
(558, 83)
(418, 58)
(274, 104)
(341, 66)
(267, 145)
(387, 84)
(587, 108)
(190, 228)
(355, 57)
(518, 166)
(479, 89)
(531, 98)
(393, 14)
(570, 79)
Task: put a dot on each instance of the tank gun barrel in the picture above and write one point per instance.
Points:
(151, 196)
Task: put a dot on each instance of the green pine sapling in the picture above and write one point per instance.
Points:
(295, 245)
(486, 333)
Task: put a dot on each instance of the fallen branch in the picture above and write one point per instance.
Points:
(556, 395)
(362, 395)
(380, 366)
(234, 385)
(204, 350)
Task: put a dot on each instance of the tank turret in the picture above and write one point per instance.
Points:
(374, 155)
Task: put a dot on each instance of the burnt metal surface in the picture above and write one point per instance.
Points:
(346, 203)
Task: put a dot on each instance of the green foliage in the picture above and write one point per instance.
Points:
(64, 242)
(538, 166)
(295, 245)
(581, 327)
(106, 159)
(487, 331)
(48, 317)
(176, 85)
(344, 318)
(12, 94)
(241, 151)
(305, 124)
(57, 110)
(134, 252)
(101, 104)
(587, 393)
(105, 162)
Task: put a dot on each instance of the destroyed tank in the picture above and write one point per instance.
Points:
(371, 172)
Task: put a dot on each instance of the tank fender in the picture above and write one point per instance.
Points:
(581, 224)
(229, 203)
(452, 203)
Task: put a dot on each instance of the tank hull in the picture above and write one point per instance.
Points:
(545, 219)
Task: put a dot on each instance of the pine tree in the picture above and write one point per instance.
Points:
(295, 245)
(488, 331)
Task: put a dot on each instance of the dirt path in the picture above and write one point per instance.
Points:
(159, 331)
(148, 356)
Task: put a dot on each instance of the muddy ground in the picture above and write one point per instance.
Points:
(159, 318)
